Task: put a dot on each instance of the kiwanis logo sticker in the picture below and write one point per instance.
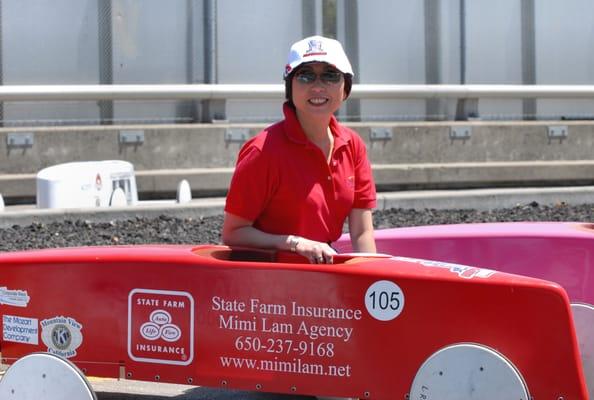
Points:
(161, 326)
(61, 335)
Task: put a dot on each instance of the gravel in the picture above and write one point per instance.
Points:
(69, 233)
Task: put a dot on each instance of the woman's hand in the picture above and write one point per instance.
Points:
(315, 252)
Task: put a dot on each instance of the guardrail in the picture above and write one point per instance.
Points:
(274, 91)
(219, 93)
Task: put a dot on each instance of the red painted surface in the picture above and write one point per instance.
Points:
(202, 315)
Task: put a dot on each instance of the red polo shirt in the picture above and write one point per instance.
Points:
(284, 184)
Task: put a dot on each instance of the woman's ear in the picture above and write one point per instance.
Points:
(348, 85)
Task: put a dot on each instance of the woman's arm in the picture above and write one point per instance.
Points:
(361, 230)
(239, 231)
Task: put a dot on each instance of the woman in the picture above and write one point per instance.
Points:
(297, 181)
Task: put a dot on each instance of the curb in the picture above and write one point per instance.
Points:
(479, 199)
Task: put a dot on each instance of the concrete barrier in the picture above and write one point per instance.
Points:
(405, 155)
(477, 199)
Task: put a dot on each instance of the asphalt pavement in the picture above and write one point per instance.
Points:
(116, 389)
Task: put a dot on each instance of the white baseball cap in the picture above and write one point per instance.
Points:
(318, 49)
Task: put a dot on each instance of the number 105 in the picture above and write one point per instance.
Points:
(385, 300)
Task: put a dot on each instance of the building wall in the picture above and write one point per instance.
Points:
(50, 43)
(254, 37)
(151, 45)
(565, 52)
(494, 51)
(390, 41)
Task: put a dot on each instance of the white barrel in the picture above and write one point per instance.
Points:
(85, 184)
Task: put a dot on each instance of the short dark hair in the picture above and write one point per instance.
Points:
(348, 85)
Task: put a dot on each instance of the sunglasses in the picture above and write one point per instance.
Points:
(327, 77)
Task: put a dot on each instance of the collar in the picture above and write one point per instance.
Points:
(295, 133)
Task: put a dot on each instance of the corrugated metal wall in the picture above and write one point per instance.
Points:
(389, 41)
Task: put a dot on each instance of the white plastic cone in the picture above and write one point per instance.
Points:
(184, 193)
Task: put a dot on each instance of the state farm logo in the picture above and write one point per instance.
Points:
(160, 327)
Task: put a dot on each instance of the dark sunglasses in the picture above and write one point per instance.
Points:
(327, 77)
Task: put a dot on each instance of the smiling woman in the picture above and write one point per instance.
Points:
(296, 182)
(318, 90)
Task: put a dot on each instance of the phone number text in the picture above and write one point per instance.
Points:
(284, 346)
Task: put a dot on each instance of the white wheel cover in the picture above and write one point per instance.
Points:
(44, 376)
(583, 317)
(468, 372)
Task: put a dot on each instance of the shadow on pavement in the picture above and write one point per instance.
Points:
(201, 393)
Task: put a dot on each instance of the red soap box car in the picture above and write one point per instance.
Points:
(368, 326)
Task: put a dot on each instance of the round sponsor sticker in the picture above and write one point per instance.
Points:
(384, 300)
(61, 336)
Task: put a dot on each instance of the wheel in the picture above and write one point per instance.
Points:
(468, 371)
(583, 317)
(44, 376)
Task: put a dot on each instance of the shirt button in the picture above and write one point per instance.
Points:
(335, 163)
(329, 178)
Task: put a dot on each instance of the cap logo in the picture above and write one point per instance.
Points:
(315, 48)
